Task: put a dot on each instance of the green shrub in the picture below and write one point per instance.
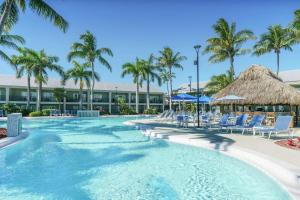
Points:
(151, 111)
(124, 108)
(11, 108)
(25, 112)
(46, 112)
(35, 114)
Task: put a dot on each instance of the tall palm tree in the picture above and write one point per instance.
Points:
(59, 95)
(24, 67)
(165, 77)
(218, 82)
(152, 74)
(88, 50)
(79, 73)
(170, 60)
(40, 63)
(9, 41)
(296, 22)
(9, 13)
(138, 71)
(228, 43)
(275, 39)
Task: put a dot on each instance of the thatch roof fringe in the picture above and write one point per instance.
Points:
(260, 86)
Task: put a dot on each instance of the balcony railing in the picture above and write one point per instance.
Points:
(2, 97)
(21, 98)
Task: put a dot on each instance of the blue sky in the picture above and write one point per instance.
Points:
(136, 28)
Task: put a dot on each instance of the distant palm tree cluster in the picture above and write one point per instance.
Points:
(226, 45)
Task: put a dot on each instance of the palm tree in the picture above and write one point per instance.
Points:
(228, 43)
(138, 71)
(218, 82)
(23, 67)
(80, 73)
(88, 50)
(40, 63)
(275, 39)
(9, 13)
(59, 95)
(151, 75)
(296, 22)
(10, 41)
(165, 77)
(170, 60)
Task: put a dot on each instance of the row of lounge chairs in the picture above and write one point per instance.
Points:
(231, 123)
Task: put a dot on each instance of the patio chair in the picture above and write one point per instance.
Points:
(240, 122)
(1, 113)
(222, 122)
(282, 125)
(256, 122)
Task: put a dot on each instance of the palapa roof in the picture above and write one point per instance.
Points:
(260, 86)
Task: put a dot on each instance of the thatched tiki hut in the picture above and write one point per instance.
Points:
(261, 87)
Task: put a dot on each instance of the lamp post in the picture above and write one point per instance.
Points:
(190, 80)
(197, 48)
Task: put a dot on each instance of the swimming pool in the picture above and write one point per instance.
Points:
(104, 159)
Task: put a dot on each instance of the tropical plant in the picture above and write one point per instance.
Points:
(228, 43)
(88, 50)
(296, 22)
(59, 95)
(124, 108)
(79, 73)
(40, 63)
(9, 41)
(138, 70)
(165, 78)
(275, 39)
(218, 82)
(170, 60)
(9, 13)
(152, 74)
(24, 67)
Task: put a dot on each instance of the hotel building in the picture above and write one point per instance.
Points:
(13, 90)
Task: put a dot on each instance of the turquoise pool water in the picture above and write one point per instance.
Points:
(104, 159)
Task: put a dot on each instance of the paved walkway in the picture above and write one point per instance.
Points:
(279, 162)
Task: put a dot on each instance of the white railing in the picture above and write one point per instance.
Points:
(88, 113)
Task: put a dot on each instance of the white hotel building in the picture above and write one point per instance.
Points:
(13, 90)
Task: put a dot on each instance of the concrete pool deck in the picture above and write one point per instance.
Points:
(278, 162)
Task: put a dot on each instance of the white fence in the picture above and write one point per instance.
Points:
(88, 113)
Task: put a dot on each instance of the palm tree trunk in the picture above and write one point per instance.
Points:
(137, 97)
(93, 84)
(232, 72)
(277, 54)
(171, 89)
(28, 92)
(39, 97)
(80, 98)
(148, 92)
(5, 14)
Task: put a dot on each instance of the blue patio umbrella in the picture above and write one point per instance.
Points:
(183, 97)
(203, 99)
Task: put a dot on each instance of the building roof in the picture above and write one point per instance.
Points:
(185, 87)
(260, 86)
(290, 76)
(6, 80)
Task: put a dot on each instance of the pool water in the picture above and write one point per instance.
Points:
(104, 159)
